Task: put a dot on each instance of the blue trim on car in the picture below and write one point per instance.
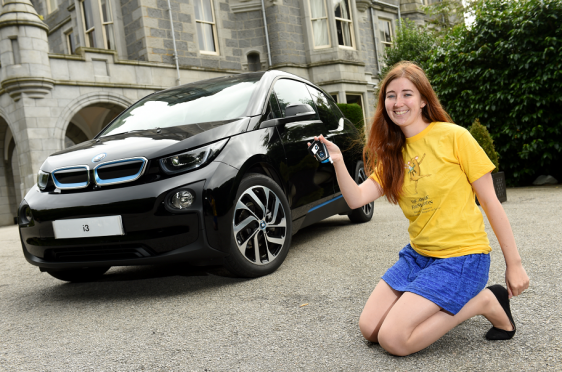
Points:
(113, 181)
(67, 186)
(325, 203)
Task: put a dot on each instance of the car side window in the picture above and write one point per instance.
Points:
(327, 109)
(290, 92)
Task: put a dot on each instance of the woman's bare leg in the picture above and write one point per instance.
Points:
(377, 307)
(414, 322)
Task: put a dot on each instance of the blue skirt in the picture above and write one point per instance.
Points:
(447, 282)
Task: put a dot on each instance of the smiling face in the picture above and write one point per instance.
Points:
(404, 103)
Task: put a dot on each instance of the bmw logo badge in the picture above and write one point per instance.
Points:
(98, 157)
(263, 225)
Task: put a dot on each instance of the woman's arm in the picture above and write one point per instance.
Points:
(515, 276)
(355, 195)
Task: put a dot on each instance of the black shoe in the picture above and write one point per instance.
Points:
(503, 298)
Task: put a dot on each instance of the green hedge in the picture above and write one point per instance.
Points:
(507, 70)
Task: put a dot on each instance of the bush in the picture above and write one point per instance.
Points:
(354, 113)
(507, 70)
(412, 43)
(482, 136)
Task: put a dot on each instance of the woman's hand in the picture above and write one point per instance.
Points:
(516, 279)
(333, 149)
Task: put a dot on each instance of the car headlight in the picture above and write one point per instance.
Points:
(192, 159)
(42, 179)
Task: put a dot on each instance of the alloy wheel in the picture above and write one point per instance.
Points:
(367, 208)
(259, 225)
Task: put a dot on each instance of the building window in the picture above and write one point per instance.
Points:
(319, 19)
(51, 6)
(357, 99)
(88, 23)
(335, 97)
(385, 27)
(107, 24)
(344, 25)
(206, 27)
(70, 45)
(15, 50)
(254, 63)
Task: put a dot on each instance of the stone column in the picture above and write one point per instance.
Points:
(26, 77)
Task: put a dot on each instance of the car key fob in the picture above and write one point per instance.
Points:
(320, 152)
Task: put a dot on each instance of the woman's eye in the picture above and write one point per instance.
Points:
(389, 96)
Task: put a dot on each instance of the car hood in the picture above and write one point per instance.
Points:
(150, 144)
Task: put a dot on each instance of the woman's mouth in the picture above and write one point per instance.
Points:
(401, 112)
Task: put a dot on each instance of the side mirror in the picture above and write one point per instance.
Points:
(293, 113)
(300, 110)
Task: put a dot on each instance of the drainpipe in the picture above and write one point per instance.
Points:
(375, 39)
(178, 80)
(266, 34)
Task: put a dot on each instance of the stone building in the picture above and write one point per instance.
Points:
(68, 67)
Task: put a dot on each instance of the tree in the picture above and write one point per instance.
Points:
(446, 14)
(482, 136)
(507, 70)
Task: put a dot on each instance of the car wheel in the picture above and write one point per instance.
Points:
(365, 213)
(87, 274)
(261, 228)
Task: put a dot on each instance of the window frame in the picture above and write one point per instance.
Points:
(214, 29)
(361, 99)
(327, 18)
(391, 28)
(105, 23)
(91, 29)
(350, 21)
(48, 4)
(68, 41)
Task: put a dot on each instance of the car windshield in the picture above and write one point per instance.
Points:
(206, 101)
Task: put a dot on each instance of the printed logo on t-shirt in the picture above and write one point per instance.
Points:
(414, 170)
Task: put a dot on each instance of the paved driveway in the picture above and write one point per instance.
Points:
(302, 317)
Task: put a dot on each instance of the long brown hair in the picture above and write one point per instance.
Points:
(382, 153)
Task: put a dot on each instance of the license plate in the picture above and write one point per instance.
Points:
(88, 227)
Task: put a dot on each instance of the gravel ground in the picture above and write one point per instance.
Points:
(301, 318)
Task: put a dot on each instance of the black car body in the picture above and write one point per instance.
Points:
(189, 174)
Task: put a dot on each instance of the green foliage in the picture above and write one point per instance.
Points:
(506, 69)
(412, 43)
(445, 14)
(354, 113)
(482, 136)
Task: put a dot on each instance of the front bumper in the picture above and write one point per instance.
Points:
(153, 233)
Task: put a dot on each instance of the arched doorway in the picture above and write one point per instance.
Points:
(89, 121)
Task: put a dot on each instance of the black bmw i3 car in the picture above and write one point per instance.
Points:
(216, 171)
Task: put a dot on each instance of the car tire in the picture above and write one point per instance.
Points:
(364, 213)
(260, 229)
(87, 274)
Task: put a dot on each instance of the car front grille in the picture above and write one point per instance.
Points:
(90, 254)
(76, 177)
(119, 171)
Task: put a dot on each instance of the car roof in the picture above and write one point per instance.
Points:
(264, 78)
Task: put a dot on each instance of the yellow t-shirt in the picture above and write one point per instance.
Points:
(441, 163)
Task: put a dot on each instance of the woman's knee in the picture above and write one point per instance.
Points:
(368, 328)
(392, 340)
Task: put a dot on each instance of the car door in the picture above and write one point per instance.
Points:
(309, 183)
(339, 130)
